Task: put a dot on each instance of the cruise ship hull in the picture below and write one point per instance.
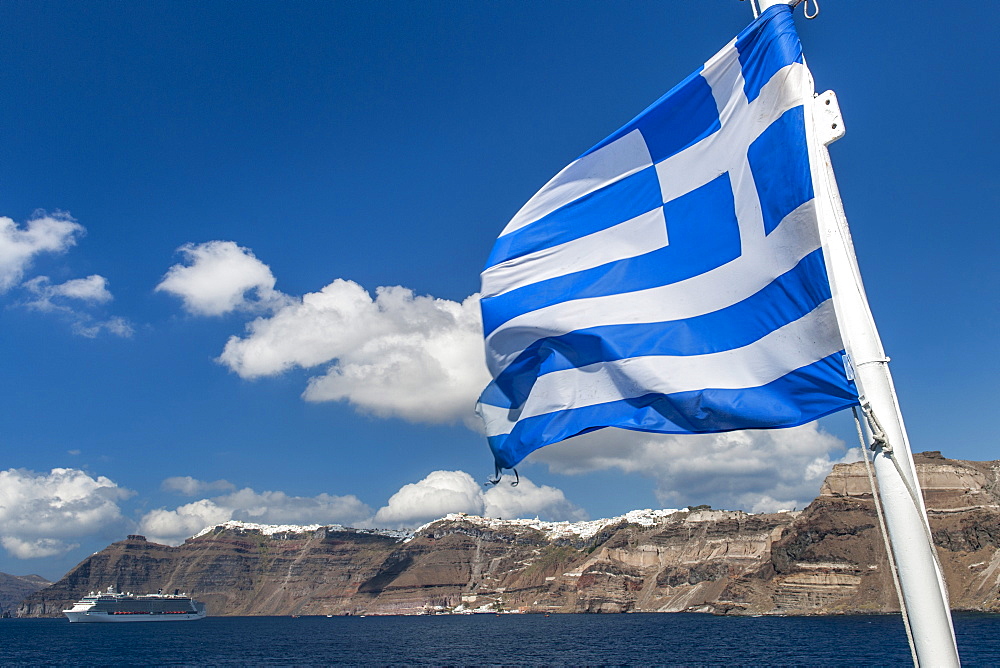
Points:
(108, 617)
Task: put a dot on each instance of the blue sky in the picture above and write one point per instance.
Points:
(326, 150)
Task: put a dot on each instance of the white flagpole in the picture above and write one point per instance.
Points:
(924, 591)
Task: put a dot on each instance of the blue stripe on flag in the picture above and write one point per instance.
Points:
(779, 160)
(802, 396)
(767, 45)
(704, 235)
(596, 211)
(787, 299)
(688, 109)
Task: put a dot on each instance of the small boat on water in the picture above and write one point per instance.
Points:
(114, 606)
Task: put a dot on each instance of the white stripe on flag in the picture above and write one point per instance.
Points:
(643, 234)
(793, 239)
(797, 344)
(608, 164)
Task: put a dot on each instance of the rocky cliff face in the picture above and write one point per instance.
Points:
(834, 560)
(15, 588)
(827, 558)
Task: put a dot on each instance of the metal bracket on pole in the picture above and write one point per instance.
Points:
(829, 121)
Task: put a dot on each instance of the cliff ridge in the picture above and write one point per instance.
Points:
(828, 558)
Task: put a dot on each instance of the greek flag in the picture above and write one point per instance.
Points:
(671, 279)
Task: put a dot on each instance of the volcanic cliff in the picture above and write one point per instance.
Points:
(15, 588)
(828, 558)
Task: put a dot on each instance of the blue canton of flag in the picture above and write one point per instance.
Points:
(672, 279)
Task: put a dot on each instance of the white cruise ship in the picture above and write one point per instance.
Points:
(112, 606)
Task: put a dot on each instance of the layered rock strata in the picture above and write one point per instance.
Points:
(828, 558)
(15, 588)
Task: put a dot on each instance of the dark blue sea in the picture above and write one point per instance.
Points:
(468, 640)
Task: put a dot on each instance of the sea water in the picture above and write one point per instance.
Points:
(510, 640)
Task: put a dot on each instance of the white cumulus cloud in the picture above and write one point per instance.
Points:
(171, 527)
(71, 299)
(188, 486)
(45, 233)
(443, 492)
(399, 354)
(529, 500)
(440, 493)
(221, 277)
(92, 328)
(36, 548)
(41, 513)
(760, 471)
(92, 289)
(268, 507)
(395, 354)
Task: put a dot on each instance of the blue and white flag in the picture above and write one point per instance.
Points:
(671, 279)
